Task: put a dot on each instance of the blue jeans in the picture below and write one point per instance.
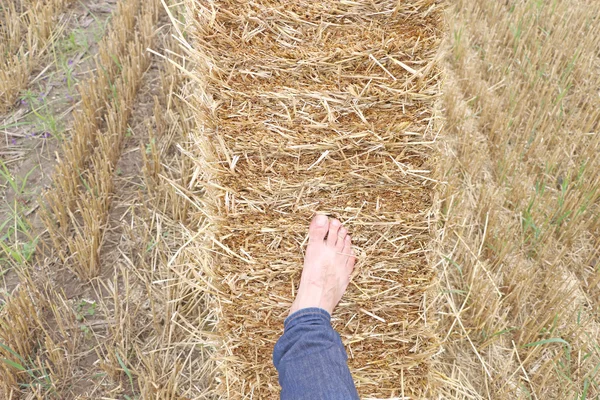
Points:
(311, 359)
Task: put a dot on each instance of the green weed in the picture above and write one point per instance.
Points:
(83, 310)
(548, 341)
(458, 47)
(100, 26)
(38, 375)
(42, 117)
(16, 184)
(127, 372)
(531, 230)
(17, 244)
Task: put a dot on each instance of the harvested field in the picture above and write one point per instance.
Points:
(519, 217)
(79, 269)
(160, 162)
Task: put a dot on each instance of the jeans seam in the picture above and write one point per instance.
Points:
(299, 314)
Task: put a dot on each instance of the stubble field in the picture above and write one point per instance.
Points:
(146, 156)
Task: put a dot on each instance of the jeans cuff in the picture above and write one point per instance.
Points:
(312, 312)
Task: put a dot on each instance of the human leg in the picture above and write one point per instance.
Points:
(310, 357)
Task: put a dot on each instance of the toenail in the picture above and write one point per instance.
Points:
(335, 222)
(321, 219)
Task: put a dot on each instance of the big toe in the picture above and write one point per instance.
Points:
(319, 227)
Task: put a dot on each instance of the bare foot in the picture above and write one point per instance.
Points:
(328, 263)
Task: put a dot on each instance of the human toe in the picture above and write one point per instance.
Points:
(341, 238)
(319, 226)
(332, 236)
(350, 252)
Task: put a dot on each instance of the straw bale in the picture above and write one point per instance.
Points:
(317, 106)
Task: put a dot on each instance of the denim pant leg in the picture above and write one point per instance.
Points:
(311, 359)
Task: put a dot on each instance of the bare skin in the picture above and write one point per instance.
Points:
(328, 264)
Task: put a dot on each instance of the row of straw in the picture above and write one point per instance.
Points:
(168, 219)
(306, 107)
(79, 202)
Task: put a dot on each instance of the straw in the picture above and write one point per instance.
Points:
(305, 107)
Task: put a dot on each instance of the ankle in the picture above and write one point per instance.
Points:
(308, 296)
